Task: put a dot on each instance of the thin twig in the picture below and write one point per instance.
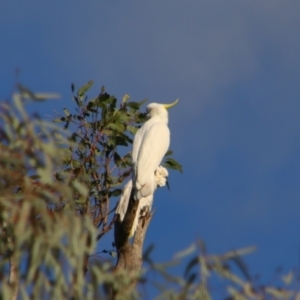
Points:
(13, 276)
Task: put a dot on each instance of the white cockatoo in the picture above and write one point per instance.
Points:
(150, 144)
(160, 177)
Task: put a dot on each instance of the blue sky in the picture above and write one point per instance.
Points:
(235, 67)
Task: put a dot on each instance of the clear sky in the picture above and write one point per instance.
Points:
(235, 67)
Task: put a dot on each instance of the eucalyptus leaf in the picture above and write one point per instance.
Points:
(67, 113)
(82, 90)
(134, 105)
(115, 193)
(171, 163)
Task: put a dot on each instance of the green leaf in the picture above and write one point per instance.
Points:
(78, 101)
(141, 118)
(169, 152)
(67, 113)
(90, 107)
(192, 263)
(185, 252)
(102, 97)
(112, 253)
(106, 100)
(124, 117)
(85, 88)
(126, 161)
(25, 92)
(171, 163)
(81, 188)
(113, 104)
(142, 102)
(125, 98)
(278, 293)
(115, 193)
(104, 111)
(44, 175)
(117, 158)
(44, 96)
(116, 126)
(134, 105)
(132, 129)
(57, 120)
(239, 252)
(288, 278)
(122, 140)
(81, 200)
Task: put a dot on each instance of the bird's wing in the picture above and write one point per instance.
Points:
(138, 138)
(137, 143)
(153, 147)
(124, 200)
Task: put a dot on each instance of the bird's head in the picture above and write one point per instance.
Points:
(160, 110)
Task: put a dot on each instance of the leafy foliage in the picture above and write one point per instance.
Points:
(57, 186)
(226, 276)
(39, 231)
(58, 189)
(96, 159)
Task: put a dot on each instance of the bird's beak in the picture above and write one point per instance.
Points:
(166, 106)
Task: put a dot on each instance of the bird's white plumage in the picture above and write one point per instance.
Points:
(150, 144)
(160, 178)
(161, 175)
(124, 199)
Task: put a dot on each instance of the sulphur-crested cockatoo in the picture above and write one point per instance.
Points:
(146, 202)
(150, 144)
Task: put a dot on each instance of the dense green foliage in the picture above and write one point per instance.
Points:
(57, 188)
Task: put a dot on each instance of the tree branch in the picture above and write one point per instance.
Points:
(13, 276)
(129, 254)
